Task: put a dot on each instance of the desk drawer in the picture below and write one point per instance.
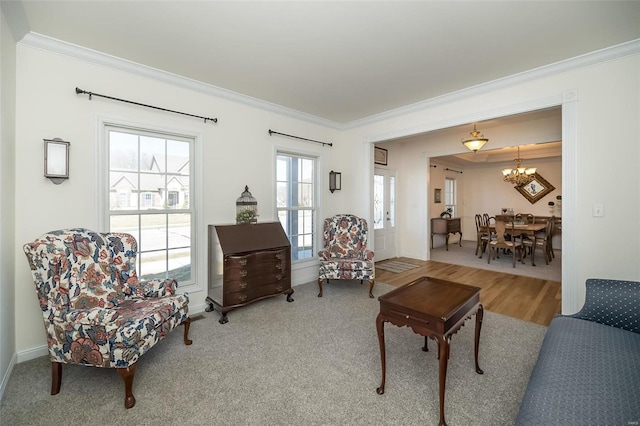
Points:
(234, 284)
(242, 297)
(412, 319)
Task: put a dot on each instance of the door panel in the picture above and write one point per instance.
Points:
(384, 226)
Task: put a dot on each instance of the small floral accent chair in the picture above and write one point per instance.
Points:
(345, 255)
(96, 311)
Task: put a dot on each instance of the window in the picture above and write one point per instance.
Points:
(450, 195)
(149, 182)
(174, 197)
(392, 201)
(147, 200)
(378, 201)
(384, 200)
(296, 203)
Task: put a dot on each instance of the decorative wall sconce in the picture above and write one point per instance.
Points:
(56, 160)
(335, 181)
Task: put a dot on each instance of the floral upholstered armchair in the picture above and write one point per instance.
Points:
(96, 311)
(345, 255)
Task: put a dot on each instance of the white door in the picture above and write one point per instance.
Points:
(384, 214)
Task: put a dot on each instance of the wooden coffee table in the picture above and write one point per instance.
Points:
(434, 309)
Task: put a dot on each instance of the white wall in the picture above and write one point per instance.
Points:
(7, 194)
(601, 145)
(482, 190)
(600, 157)
(235, 152)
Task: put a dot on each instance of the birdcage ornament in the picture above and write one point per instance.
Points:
(246, 208)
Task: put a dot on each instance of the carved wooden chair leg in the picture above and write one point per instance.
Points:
(371, 282)
(187, 325)
(320, 285)
(56, 377)
(127, 376)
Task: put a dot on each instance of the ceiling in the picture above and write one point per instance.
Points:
(538, 136)
(337, 60)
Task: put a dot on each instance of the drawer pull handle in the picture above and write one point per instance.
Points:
(278, 277)
(407, 317)
(242, 262)
(279, 288)
(243, 285)
(243, 273)
(278, 266)
(279, 255)
(242, 297)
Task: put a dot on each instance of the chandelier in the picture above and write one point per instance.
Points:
(476, 141)
(520, 175)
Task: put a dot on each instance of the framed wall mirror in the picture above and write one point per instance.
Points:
(536, 189)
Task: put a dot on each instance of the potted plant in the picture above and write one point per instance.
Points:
(446, 213)
(246, 216)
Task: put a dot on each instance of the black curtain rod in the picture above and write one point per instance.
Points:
(271, 132)
(452, 170)
(84, 92)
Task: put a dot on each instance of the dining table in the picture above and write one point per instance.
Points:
(520, 230)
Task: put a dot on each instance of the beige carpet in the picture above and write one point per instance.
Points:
(465, 256)
(314, 361)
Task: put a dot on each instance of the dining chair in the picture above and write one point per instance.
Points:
(552, 231)
(480, 234)
(500, 242)
(525, 218)
(484, 233)
(541, 240)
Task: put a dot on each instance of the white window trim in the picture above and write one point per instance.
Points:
(198, 245)
(317, 238)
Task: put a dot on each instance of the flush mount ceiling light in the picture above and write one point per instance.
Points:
(476, 141)
(520, 175)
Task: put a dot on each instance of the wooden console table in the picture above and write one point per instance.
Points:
(446, 226)
(247, 263)
(435, 309)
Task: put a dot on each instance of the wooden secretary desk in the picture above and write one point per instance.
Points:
(247, 263)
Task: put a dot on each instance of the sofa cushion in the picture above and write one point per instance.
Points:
(586, 373)
(612, 302)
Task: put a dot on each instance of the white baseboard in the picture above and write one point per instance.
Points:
(32, 353)
(7, 375)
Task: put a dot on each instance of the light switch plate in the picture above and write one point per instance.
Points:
(598, 210)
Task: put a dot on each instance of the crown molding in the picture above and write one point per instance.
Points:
(92, 56)
(603, 55)
(99, 58)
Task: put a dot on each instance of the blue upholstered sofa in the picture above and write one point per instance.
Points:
(588, 369)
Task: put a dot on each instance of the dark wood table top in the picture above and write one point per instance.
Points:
(435, 297)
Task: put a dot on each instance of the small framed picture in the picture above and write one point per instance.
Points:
(380, 156)
(437, 195)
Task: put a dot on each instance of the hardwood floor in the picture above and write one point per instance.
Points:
(529, 299)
